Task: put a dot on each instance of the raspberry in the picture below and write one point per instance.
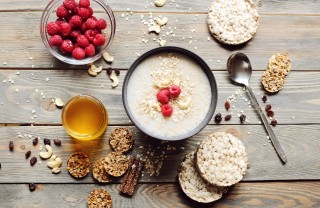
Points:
(93, 17)
(82, 41)
(52, 28)
(84, 12)
(90, 50)
(75, 21)
(91, 23)
(90, 35)
(101, 24)
(66, 46)
(59, 21)
(84, 3)
(65, 29)
(163, 96)
(99, 40)
(166, 110)
(175, 91)
(83, 27)
(75, 33)
(62, 12)
(75, 10)
(90, 11)
(69, 4)
(78, 53)
(55, 40)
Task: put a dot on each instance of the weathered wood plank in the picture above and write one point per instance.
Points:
(67, 83)
(294, 34)
(300, 143)
(245, 195)
(265, 6)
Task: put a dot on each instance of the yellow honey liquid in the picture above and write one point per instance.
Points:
(84, 117)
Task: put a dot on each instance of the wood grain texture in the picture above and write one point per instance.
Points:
(297, 35)
(65, 83)
(244, 195)
(300, 143)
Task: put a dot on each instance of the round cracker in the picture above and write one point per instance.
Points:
(78, 165)
(121, 140)
(194, 186)
(116, 164)
(280, 61)
(233, 22)
(222, 159)
(99, 173)
(273, 80)
(99, 198)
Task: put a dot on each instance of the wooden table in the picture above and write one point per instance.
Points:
(285, 26)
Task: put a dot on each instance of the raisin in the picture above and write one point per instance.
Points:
(117, 71)
(268, 107)
(32, 186)
(227, 105)
(109, 71)
(242, 118)
(270, 113)
(11, 146)
(57, 142)
(218, 118)
(33, 161)
(35, 141)
(274, 122)
(46, 141)
(28, 154)
(0, 166)
(227, 117)
(264, 98)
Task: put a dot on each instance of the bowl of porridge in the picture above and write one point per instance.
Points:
(170, 93)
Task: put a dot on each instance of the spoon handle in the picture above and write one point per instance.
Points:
(272, 136)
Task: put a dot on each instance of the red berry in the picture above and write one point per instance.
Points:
(62, 12)
(83, 27)
(84, 3)
(66, 46)
(90, 50)
(59, 21)
(65, 29)
(90, 12)
(78, 53)
(69, 4)
(52, 28)
(90, 35)
(175, 91)
(75, 10)
(93, 17)
(82, 41)
(84, 12)
(75, 21)
(99, 40)
(91, 23)
(163, 96)
(101, 24)
(166, 110)
(75, 33)
(55, 40)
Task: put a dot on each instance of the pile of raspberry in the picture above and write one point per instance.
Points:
(76, 31)
(164, 96)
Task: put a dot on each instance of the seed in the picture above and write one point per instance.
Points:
(33, 161)
(117, 71)
(11, 146)
(264, 98)
(218, 118)
(32, 186)
(227, 105)
(46, 141)
(35, 141)
(242, 118)
(227, 117)
(57, 142)
(109, 71)
(28, 154)
(274, 122)
(270, 113)
(268, 107)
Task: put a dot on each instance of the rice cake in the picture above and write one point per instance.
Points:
(99, 172)
(99, 198)
(280, 61)
(78, 165)
(116, 164)
(121, 140)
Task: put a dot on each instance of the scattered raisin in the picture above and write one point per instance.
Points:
(227, 117)
(46, 141)
(264, 98)
(242, 118)
(268, 107)
(57, 142)
(218, 118)
(117, 71)
(109, 71)
(33, 161)
(35, 141)
(270, 113)
(274, 122)
(227, 105)
(11, 146)
(0, 166)
(32, 186)
(28, 154)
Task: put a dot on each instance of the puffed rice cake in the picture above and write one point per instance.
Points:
(99, 198)
(233, 21)
(273, 80)
(280, 61)
(116, 164)
(193, 185)
(78, 165)
(222, 159)
(121, 140)
(99, 172)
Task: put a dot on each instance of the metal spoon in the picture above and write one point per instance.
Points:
(240, 71)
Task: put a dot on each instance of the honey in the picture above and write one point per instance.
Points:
(84, 117)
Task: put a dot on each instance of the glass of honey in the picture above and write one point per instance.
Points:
(84, 117)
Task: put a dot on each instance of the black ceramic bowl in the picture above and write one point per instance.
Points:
(198, 61)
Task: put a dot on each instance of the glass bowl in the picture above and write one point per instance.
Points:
(100, 10)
